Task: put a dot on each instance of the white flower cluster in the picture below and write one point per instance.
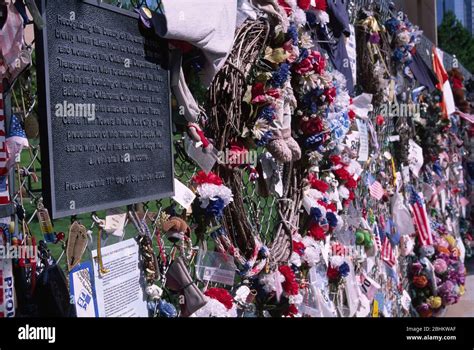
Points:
(312, 252)
(214, 308)
(209, 192)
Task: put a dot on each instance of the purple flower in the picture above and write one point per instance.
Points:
(440, 266)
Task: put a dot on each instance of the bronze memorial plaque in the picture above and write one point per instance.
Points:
(105, 109)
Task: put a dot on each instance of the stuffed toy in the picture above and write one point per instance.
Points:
(283, 147)
(456, 79)
(176, 229)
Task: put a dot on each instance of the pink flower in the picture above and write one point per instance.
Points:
(440, 266)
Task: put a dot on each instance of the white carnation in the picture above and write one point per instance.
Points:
(312, 255)
(214, 308)
(343, 192)
(336, 261)
(295, 259)
(212, 192)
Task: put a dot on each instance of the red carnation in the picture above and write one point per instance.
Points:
(298, 248)
(322, 203)
(259, 94)
(290, 286)
(305, 66)
(275, 93)
(342, 174)
(333, 273)
(332, 207)
(351, 114)
(202, 178)
(351, 195)
(221, 295)
(330, 95)
(319, 63)
(311, 126)
(258, 90)
(291, 311)
(321, 5)
(317, 184)
(317, 232)
(351, 183)
(335, 159)
(304, 4)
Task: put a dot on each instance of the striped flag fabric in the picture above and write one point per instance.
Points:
(4, 193)
(388, 254)
(376, 190)
(16, 141)
(420, 218)
(3, 151)
(378, 241)
(447, 104)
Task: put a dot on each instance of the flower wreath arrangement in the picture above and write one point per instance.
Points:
(278, 95)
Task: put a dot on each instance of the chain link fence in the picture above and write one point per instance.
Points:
(261, 211)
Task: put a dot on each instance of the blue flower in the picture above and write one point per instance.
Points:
(293, 34)
(311, 100)
(267, 113)
(316, 214)
(303, 54)
(167, 309)
(215, 208)
(311, 18)
(332, 219)
(344, 269)
(280, 76)
(437, 168)
(314, 141)
(266, 137)
(392, 25)
(398, 54)
(151, 305)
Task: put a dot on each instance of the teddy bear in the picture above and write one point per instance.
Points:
(456, 79)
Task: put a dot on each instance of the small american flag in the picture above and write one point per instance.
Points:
(420, 218)
(387, 254)
(4, 194)
(376, 190)
(378, 241)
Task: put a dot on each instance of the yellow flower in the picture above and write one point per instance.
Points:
(451, 240)
(435, 302)
(462, 289)
(277, 56)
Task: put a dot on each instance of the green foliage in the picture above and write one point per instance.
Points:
(456, 40)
